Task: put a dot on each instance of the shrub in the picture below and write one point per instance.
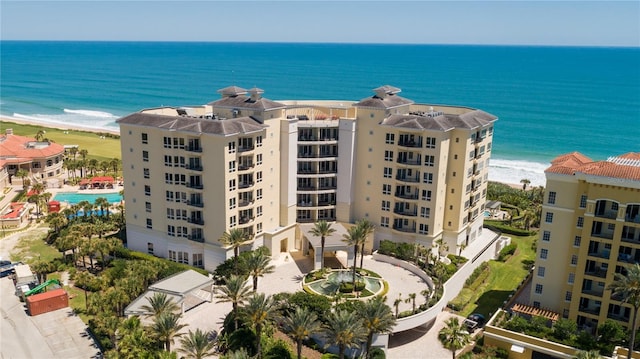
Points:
(376, 353)
(480, 270)
(278, 350)
(507, 251)
(457, 260)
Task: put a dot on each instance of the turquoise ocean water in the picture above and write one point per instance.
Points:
(550, 100)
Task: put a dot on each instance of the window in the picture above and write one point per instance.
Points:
(429, 161)
(169, 196)
(259, 211)
(611, 226)
(428, 177)
(232, 185)
(145, 172)
(567, 296)
(536, 304)
(384, 221)
(431, 142)
(259, 176)
(149, 247)
(259, 228)
(168, 178)
(574, 260)
(423, 228)
(544, 253)
(259, 159)
(259, 141)
(386, 189)
(232, 203)
(386, 205)
(147, 206)
(541, 271)
(549, 217)
(166, 142)
(388, 155)
(426, 195)
(388, 172)
(183, 257)
(171, 213)
(538, 289)
(614, 206)
(197, 260)
(583, 201)
(149, 223)
(145, 156)
(576, 241)
(390, 138)
(425, 212)
(580, 222)
(232, 221)
(259, 193)
(546, 236)
(232, 166)
(171, 231)
(147, 190)
(232, 147)
(145, 138)
(552, 198)
(572, 278)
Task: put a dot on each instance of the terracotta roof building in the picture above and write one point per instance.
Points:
(41, 160)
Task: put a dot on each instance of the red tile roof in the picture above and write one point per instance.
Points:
(13, 148)
(15, 210)
(626, 166)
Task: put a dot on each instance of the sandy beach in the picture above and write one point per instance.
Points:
(60, 126)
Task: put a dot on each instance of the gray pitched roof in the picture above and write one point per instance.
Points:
(232, 91)
(195, 125)
(469, 120)
(385, 97)
(245, 102)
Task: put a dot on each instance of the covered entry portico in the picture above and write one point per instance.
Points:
(332, 243)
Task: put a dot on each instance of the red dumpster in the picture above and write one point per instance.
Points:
(47, 301)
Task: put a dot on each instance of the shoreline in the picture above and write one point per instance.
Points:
(58, 126)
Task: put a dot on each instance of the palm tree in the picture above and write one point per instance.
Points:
(591, 354)
(132, 339)
(234, 291)
(92, 166)
(159, 303)
(454, 336)
(39, 135)
(344, 329)
(426, 293)
(238, 354)
(260, 311)
(102, 203)
(23, 174)
(104, 166)
(57, 220)
(234, 239)
(257, 264)
(377, 318)
(166, 327)
(627, 287)
(355, 238)
(197, 345)
(396, 303)
(412, 299)
(367, 228)
(115, 165)
(300, 324)
(322, 229)
(525, 182)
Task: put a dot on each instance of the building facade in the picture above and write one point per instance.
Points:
(590, 230)
(417, 171)
(42, 160)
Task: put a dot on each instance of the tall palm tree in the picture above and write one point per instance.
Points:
(412, 300)
(23, 174)
(39, 135)
(115, 165)
(92, 166)
(234, 291)
(197, 345)
(260, 311)
(426, 293)
(525, 182)
(300, 324)
(344, 329)
(627, 287)
(83, 153)
(396, 303)
(166, 327)
(102, 203)
(257, 264)
(57, 220)
(159, 303)
(235, 238)
(322, 229)
(591, 354)
(454, 336)
(377, 318)
(367, 228)
(132, 340)
(355, 238)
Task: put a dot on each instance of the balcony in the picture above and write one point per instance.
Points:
(632, 214)
(626, 258)
(245, 220)
(199, 239)
(197, 149)
(412, 196)
(590, 310)
(410, 143)
(326, 203)
(198, 204)
(406, 229)
(307, 188)
(600, 253)
(406, 212)
(411, 179)
(324, 171)
(244, 203)
(246, 148)
(194, 185)
(619, 317)
(596, 272)
(245, 166)
(307, 155)
(324, 187)
(198, 221)
(606, 209)
(602, 230)
(194, 167)
(306, 204)
(246, 184)
(304, 220)
(409, 162)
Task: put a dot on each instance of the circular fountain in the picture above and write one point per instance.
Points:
(329, 284)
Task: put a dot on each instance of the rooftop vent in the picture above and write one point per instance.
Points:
(624, 161)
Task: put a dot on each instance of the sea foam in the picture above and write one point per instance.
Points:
(104, 121)
(513, 171)
(91, 113)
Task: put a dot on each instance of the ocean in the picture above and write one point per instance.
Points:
(549, 100)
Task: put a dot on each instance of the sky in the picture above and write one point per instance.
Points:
(556, 23)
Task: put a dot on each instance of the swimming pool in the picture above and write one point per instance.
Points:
(76, 197)
(487, 214)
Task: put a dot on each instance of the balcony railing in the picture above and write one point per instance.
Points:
(413, 144)
(412, 179)
(304, 220)
(195, 185)
(405, 212)
(632, 219)
(245, 184)
(326, 203)
(245, 166)
(244, 203)
(199, 239)
(407, 229)
(600, 254)
(626, 258)
(610, 214)
(590, 310)
(245, 220)
(596, 272)
(245, 148)
(407, 195)
(327, 187)
(306, 204)
(193, 167)
(198, 221)
(409, 162)
(193, 148)
(593, 291)
(198, 204)
(619, 317)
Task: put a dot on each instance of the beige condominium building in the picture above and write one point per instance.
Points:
(590, 230)
(417, 171)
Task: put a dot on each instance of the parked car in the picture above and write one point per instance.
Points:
(474, 321)
(7, 269)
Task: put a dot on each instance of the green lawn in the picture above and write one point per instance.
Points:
(100, 149)
(32, 247)
(503, 279)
